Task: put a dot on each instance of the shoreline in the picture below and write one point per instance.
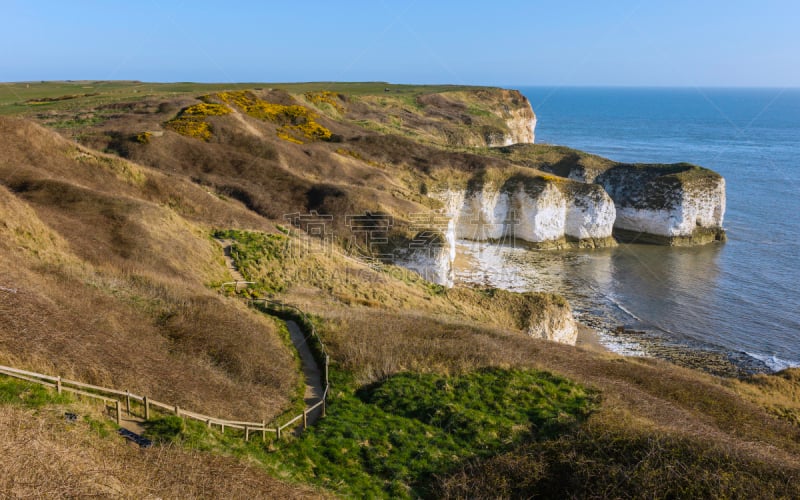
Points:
(730, 365)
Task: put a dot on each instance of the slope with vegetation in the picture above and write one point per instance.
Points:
(110, 275)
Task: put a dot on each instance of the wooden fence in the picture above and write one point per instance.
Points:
(127, 401)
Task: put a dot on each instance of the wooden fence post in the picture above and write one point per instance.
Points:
(305, 419)
(323, 407)
(246, 433)
(279, 433)
(327, 362)
(177, 411)
(58, 384)
(119, 412)
(127, 402)
(146, 409)
(263, 430)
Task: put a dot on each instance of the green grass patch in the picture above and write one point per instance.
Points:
(195, 435)
(166, 429)
(488, 408)
(77, 122)
(19, 392)
(391, 440)
(103, 428)
(259, 256)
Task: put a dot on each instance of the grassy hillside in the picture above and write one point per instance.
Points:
(46, 457)
(111, 283)
(110, 275)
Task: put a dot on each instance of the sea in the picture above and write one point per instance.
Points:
(740, 298)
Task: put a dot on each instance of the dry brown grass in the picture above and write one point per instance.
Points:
(607, 460)
(31, 155)
(779, 393)
(111, 287)
(45, 457)
(168, 339)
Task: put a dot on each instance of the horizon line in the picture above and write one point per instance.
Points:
(503, 85)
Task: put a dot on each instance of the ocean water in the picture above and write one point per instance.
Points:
(742, 297)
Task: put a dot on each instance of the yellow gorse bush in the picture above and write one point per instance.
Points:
(206, 109)
(143, 137)
(325, 97)
(191, 121)
(296, 122)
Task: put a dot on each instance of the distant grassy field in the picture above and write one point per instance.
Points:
(16, 97)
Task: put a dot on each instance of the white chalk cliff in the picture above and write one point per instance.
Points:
(544, 213)
(433, 262)
(555, 325)
(521, 123)
(677, 204)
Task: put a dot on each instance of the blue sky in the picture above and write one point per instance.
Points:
(537, 42)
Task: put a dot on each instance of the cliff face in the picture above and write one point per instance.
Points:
(556, 324)
(508, 115)
(675, 205)
(480, 117)
(664, 204)
(547, 213)
(678, 204)
(542, 212)
(433, 258)
(523, 128)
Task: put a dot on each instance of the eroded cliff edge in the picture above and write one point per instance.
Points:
(542, 211)
(678, 204)
(462, 117)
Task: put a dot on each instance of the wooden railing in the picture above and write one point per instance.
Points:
(127, 401)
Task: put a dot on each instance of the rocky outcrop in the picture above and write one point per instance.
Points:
(556, 324)
(431, 255)
(541, 315)
(520, 122)
(674, 204)
(545, 212)
(514, 116)
(678, 204)
(475, 118)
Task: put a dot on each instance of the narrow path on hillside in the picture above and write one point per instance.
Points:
(315, 388)
(226, 249)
